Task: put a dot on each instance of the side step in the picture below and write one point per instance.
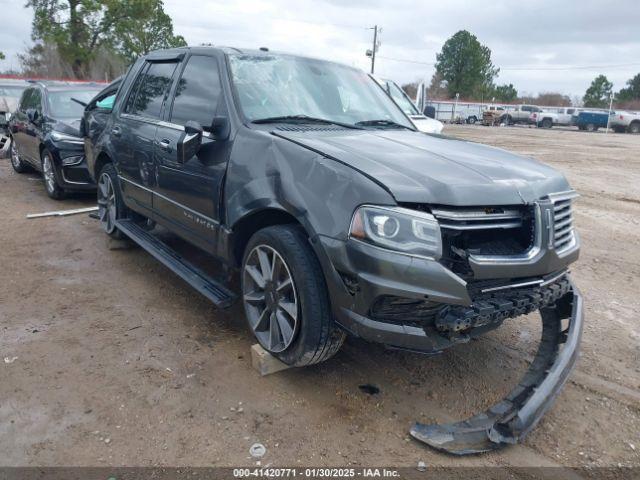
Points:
(203, 283)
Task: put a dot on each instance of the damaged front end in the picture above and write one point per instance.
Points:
(511, 419)
(496, 263)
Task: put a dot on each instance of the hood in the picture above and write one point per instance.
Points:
(70, 126)
(8, 104)
(419, 168)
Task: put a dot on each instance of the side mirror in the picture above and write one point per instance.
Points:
(220, 128)
(190, 141)
(32, 115)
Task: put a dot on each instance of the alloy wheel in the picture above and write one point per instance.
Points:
(49, 176)
(270, 299)
(106, 203)
(15, 158)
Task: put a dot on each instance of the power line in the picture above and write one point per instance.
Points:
(530, 67)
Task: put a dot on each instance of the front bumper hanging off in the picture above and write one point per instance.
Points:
(511, 419)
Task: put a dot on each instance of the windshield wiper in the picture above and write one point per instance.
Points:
(304, 119)
(382, 123)
(79, 101)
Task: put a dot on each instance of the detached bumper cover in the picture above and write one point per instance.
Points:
(510, 420)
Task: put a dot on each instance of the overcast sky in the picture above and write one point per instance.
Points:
(539, 45)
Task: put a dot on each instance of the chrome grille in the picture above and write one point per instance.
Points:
(478, 218)
(562, 223)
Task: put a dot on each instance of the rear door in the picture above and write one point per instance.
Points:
(33, 130)
(134, 131)
(19, 123)
(188, 194)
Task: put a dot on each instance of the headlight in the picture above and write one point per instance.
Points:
(399, 229)
(63, 137)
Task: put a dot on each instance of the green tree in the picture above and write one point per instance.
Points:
(465, 64)
(631, 91)
(139, 35)
(505, 93)
(598, 93)
(2, 57)
(79, 29)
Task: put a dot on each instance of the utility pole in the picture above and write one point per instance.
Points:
(372, 53)
(610, 108)
(375, 47)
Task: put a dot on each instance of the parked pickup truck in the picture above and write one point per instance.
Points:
(625, 122)
(310, 184)
(519, 114)
(548, 117)
(592, 121)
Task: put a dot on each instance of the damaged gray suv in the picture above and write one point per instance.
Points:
(304, 177)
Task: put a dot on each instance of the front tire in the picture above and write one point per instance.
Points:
(285, 297)
(16, 162)
(590, 127)
(50, 176)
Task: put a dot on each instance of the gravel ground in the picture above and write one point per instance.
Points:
(112, 360)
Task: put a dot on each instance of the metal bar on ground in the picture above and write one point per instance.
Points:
(63, 213)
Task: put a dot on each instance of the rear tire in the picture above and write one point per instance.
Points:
(111, 207)
(472, 120)
(634, 128)
(18, 165)
(547, 123)
(54, 190)
(590, 127)
(288, 311)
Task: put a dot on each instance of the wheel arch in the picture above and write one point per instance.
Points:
(248, 225)
(101, 161)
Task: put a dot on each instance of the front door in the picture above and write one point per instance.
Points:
(188, 194)
(134, 132)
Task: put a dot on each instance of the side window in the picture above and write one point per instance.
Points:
(197, 92)
(24, 101)
(150, 89)
(36, 100)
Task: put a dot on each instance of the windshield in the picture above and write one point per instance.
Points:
(11, 91)
(401, 98)
(280, 85)
(61, 105)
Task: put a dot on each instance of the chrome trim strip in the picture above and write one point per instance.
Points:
(472, 215)
(568, 195)
(512, 285)
(540, 283)
(64, 179)
(158, 123)
(156, 194)
(120, 177)
(481, 226)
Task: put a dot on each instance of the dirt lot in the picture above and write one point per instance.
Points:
(120, 363)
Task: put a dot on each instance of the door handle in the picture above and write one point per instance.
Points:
(165, 145)
(116, 131)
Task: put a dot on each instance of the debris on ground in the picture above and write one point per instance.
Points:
(369, 389)
(257, 450)
(10, 359)
(62, 213)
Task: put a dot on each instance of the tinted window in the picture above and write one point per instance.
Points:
(24, 101)
(36, 100)
(197, 92)
(150, 89)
